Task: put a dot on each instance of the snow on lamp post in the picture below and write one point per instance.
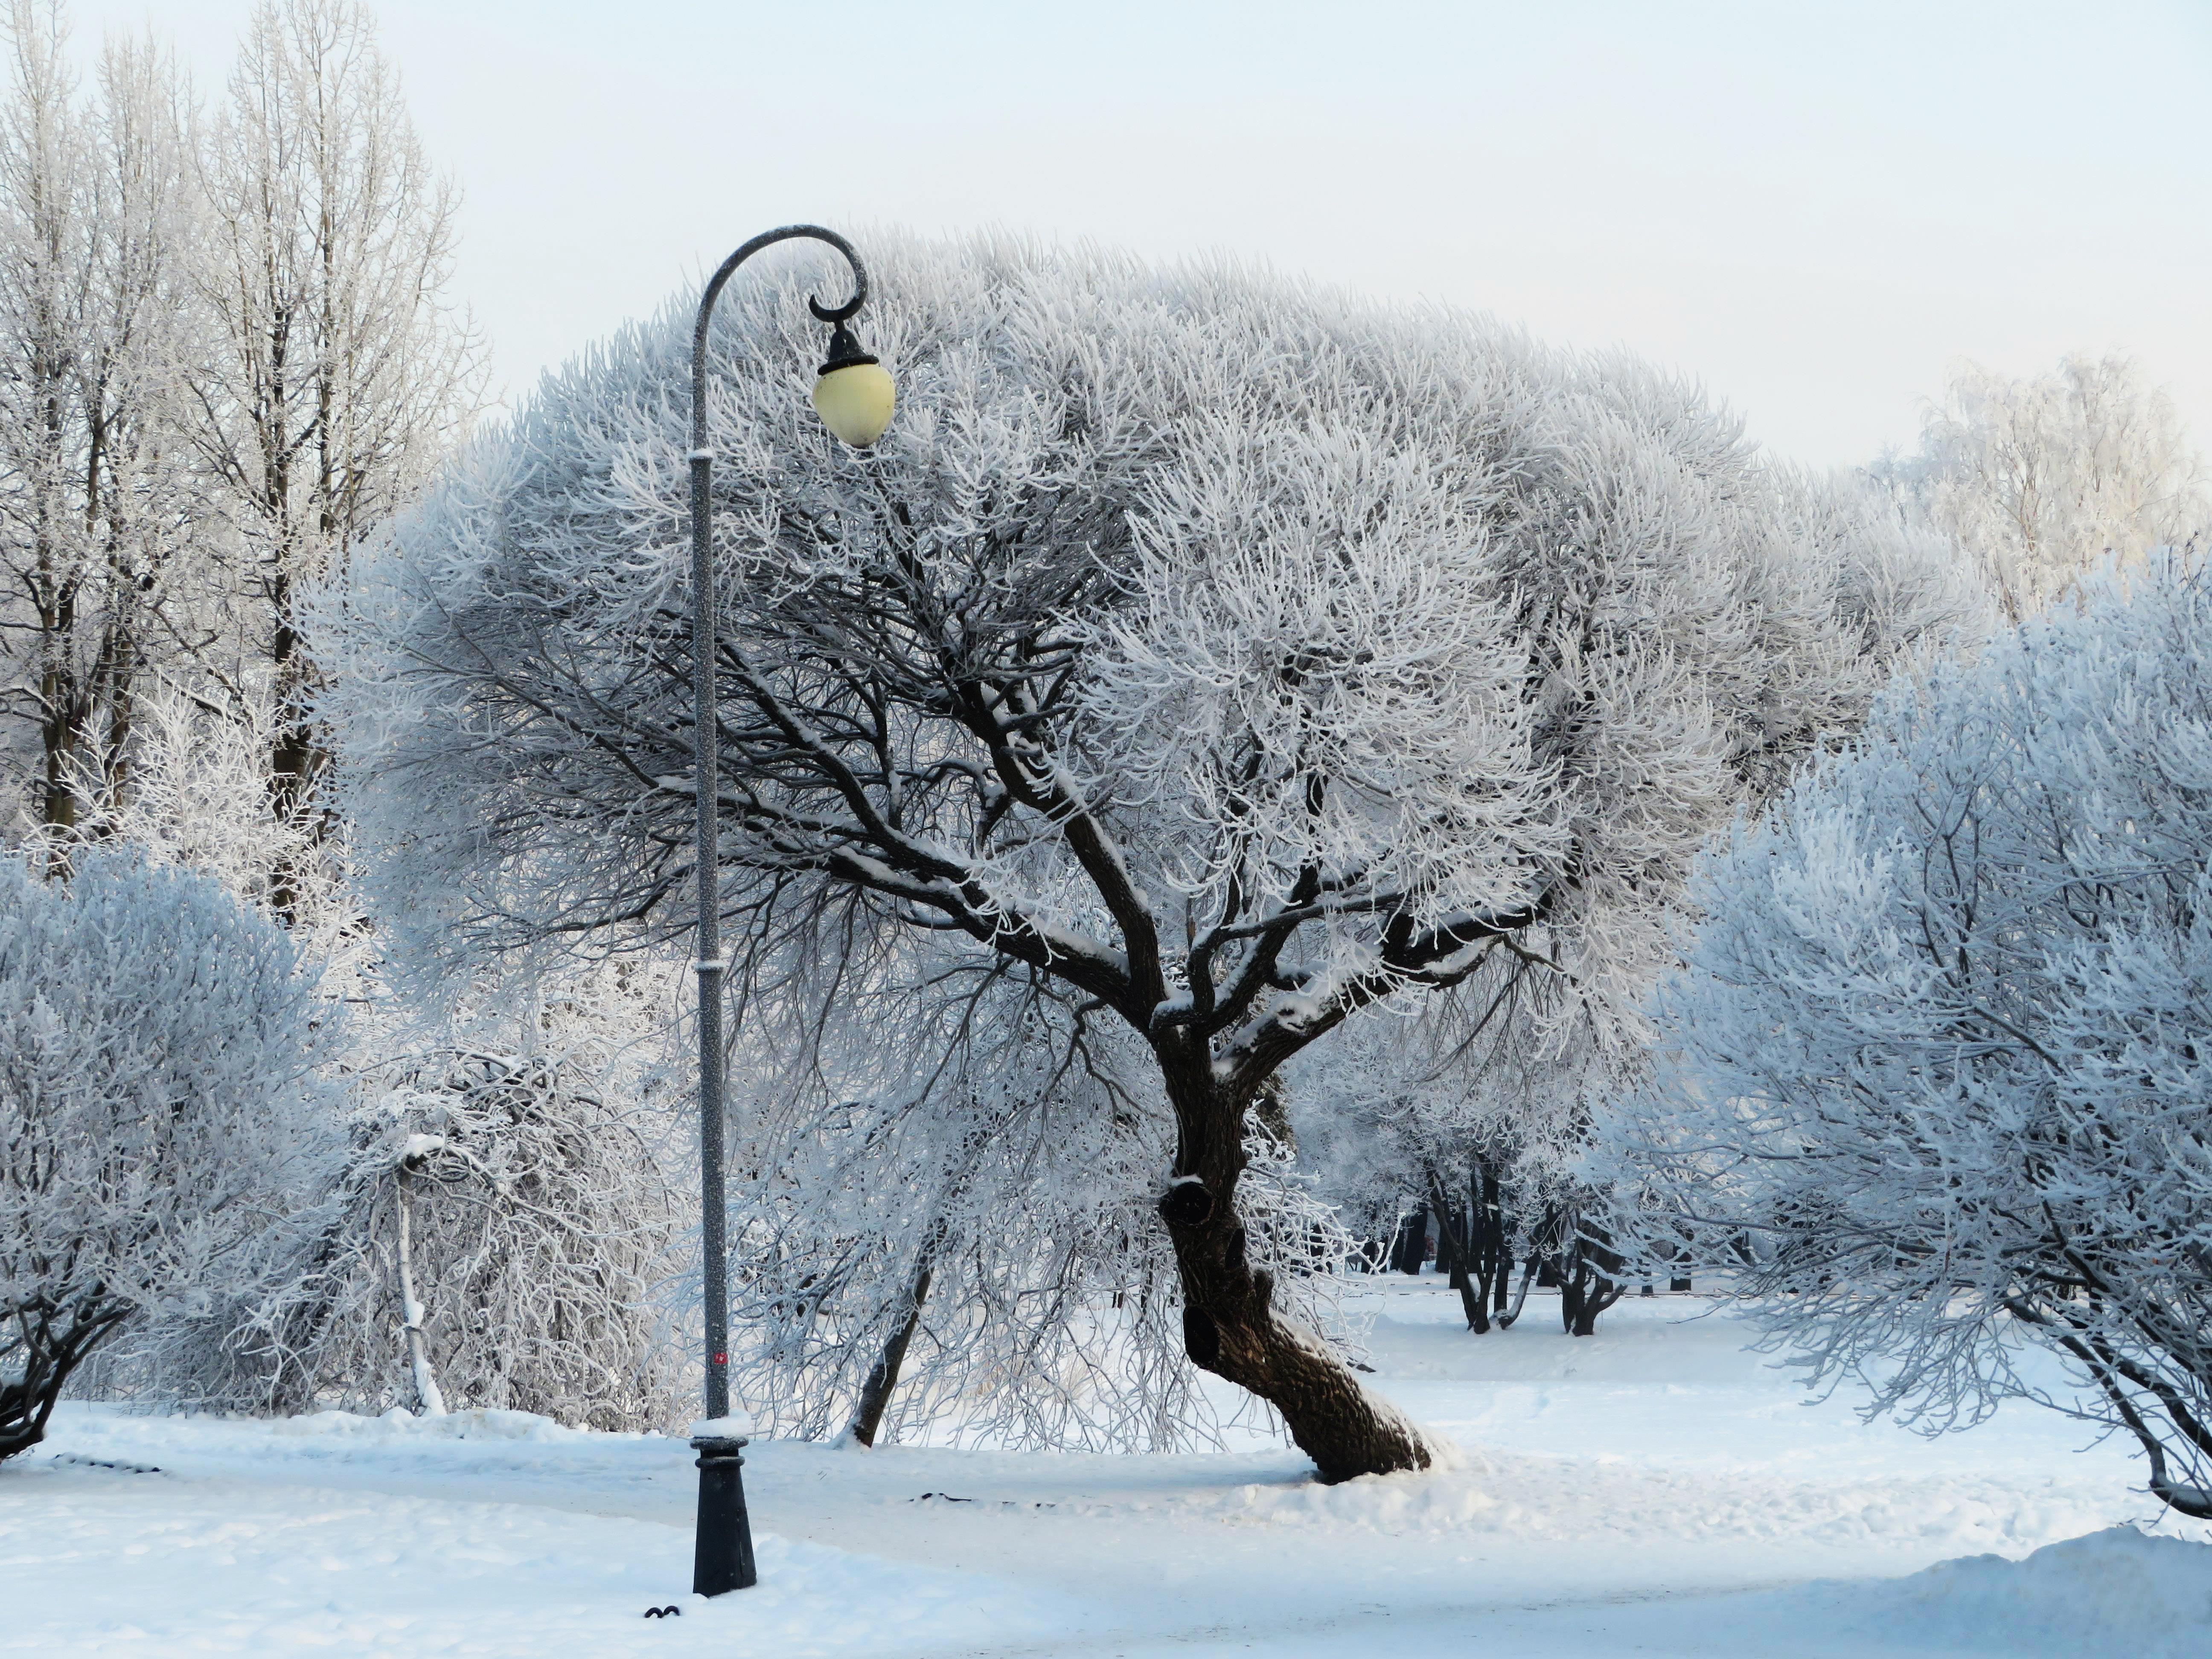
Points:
(854, 398)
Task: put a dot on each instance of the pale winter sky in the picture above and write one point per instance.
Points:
(1811, 205)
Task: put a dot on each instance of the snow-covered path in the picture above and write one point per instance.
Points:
(1652, 1490)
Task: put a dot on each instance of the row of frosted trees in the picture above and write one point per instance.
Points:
(225, 358)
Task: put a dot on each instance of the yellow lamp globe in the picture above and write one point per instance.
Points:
(854, 396)
(855, 402)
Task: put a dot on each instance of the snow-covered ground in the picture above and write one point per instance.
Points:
(1653, 1490)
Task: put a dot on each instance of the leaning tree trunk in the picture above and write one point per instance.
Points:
(1230, 1325)
(883, 1377)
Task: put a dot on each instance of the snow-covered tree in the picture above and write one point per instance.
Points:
(1938, 1064)
(96, 489)
(198, 776)
(1239, 657)
(500, 1234)
(948, 1229)
(2037, 479)
(159, 1111)
(506, 1139)
(337, 371)
(1475, 1110)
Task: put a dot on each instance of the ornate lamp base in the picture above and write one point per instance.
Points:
(723, 1559)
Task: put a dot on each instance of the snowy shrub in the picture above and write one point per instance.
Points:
(506, 1224)
(160, 1118)
(1938, 1052)
(1234, 656)
(501, 1232)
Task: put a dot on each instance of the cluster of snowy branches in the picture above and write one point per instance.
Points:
(161, 1118)
(229, 360)
(1937, 1080)
(952, 1228)
(1236, 657)
(504, 1212)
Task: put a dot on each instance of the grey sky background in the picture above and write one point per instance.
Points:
(1811, 206)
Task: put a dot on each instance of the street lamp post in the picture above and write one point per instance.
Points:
(853, 397)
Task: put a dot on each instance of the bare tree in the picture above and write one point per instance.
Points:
(2039, 478)
(338, 371)
(1241, 659)
(95, 492)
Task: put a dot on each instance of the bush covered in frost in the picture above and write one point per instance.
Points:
(160, 1117)
(1939, 1050)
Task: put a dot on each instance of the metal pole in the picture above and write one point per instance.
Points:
(723, 1554)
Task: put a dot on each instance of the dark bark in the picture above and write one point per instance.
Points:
(884, 1375)
(45, 1343)
(1589, 1282)
(1471, 1245)
(1229, 1324)
(296, 758)
(1410, 1246)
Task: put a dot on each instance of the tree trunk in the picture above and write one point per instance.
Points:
(1456, 1246)
(1230, 1326)
(1411, 1245)
(1493, 1257)
(50, 1342)
(884, 1375)
(1586, 1286)
(1528, 1276)
(1501, 1234)
(295, 762)
(429, 1401)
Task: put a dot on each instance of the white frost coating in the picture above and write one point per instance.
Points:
(738, 1426)
(160, 1118)
(2040, 478)
(1938, 1052)
(1193, 639)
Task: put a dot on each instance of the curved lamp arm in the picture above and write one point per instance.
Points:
(728, 269)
